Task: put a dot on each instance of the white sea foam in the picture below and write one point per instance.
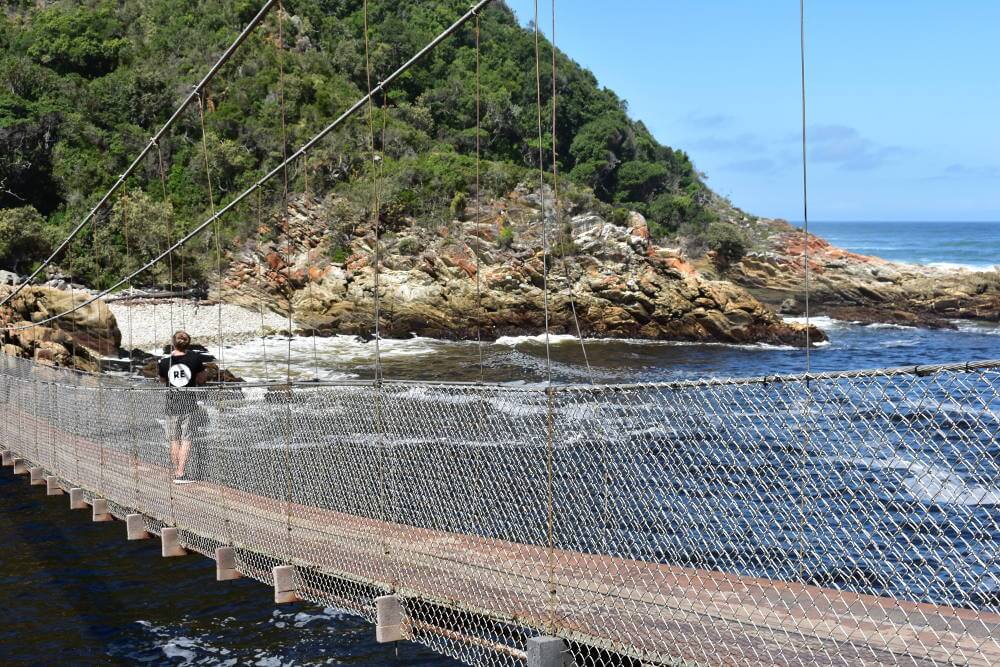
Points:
(899, 343)
(971, 326)
(936, 485)
(888, 325)
(312, 356)
(967, 410)
(554, 339)
(559, 339)
(431, 396)
(929, 483)
(180, 647)
(955, 266)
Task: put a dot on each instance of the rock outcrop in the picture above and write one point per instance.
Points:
(854, 287)
(615, 279)
(75, 340)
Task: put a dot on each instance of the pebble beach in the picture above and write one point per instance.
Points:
(149, 325)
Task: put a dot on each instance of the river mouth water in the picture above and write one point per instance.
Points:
(77, 589)
(522, 359)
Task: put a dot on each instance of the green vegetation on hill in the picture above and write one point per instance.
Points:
(83, 84)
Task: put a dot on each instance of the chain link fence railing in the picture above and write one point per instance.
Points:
(849, 518)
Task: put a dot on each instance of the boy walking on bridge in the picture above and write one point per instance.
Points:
(180, 371)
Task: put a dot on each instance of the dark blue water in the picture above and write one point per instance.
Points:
(77, 592)
(968, 244)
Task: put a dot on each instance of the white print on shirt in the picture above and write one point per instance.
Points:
(179, 375)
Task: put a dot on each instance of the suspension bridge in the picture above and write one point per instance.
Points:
(824, 519)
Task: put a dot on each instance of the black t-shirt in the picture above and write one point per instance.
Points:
(180, 372)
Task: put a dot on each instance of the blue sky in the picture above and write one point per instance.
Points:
(903, 97)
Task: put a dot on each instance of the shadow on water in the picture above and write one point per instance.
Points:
(78, 592)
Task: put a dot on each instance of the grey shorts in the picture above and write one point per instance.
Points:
(179, 427)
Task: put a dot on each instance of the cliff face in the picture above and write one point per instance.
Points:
(849, 286)
(616, 280)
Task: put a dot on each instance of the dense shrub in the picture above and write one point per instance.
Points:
(506, 237)
(22, 238)
(408, 246)
(728, 242)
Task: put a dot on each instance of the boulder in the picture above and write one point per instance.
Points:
(72, 340)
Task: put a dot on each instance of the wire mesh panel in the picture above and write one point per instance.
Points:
(333, 466)
(844, 519)
(466, 474)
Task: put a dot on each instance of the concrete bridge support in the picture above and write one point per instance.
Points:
(225, 564)
(170, 541)
(52, 487)
(135, 527)
(7, 458)
(101, 512)
(77, 500)
(285, 590)
(21, 467)
(548, 652)
(388, 619)
(37, 476)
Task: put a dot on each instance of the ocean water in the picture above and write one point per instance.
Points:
(973, 245)
(78, 590)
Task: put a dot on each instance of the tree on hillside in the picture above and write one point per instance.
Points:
(22, 238)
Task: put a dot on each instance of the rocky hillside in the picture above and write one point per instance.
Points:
(616, 279)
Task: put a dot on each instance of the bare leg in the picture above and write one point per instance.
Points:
(175, 451)
(182, 456)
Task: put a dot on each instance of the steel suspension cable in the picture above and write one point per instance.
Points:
(805, 180)
(170, 238)
(289, 396)
(312, 288)
(555, 190)
(541, 201)
(479, 207)
(807, 402)
(215, 232)
(285, 220)
(223, 59)
(319, 136)
(131, 286)
(129, 393)
(376, 213)
(260, 281)
(384, 492)
(104, 337)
